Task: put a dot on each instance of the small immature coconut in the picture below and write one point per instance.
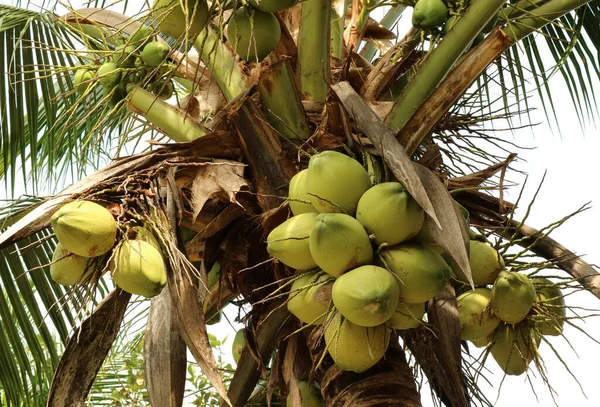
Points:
(172, 18)
(310, 395)
(138, 268)
(429, 14)
(109, 75)
(407, 316)
(513, 348)
(253, 34)
(476, 318)
(85, 228)
(422, 271)
(355, 347)
(310, 296)
(82, 79)
(289, 242)
(512, 297)
(485, 262)
(154, 53)
(389, 213)
(297, 190)
(550, 310)
(239, 341)
(124, 56)
(339, 243)
(366, 296)
(272, 6)
(143, 34)
(335, 182)
(67, 268)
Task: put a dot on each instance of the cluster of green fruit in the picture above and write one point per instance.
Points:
(138, 62)
(86, 231)
(436, 15)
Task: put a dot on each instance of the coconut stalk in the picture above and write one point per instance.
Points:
(439, 62)
(314, 49)
(281, 102)
(173, 122)
(221, 63)
(425, 117)
(338, 17)
(388, 21)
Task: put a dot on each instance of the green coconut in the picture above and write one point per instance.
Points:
(272, 6)
(142, 34)
(109, 75)
(339, 243)
(429, 14)
(297, 190)
(154, 53)
(173, 19)
(124, 56)
(82, 79)
(389, 213)
(450, 23)
(289, 242)
(253, 34)
(366, 296)
(309, 298)
(335, 182)
(310, 395)
(513, 348)
(480, 342)
(407, 316)
(512, 297)
(138, 268)
(475, 315)
(163, 89)
(422, 271)
(142, 233)
(85, 228)
(239, 341)
(68, 268)
(213, 275)
(550, 310)
(355, 347)
(486, 263)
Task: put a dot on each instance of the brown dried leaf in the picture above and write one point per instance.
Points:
(164, 354)
(86, 351)
(218, 179)
(453, 235)
(289, 373)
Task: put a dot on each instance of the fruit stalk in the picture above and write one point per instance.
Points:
(338, 14)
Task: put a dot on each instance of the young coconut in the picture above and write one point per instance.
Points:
(512, 297)
(297, 190)
(310, 296)
(480, 342)
(138, 268)
(407, 316)
(85, 228)
(486, 264)
(335, 182)
(289, 242)
(154, 53)
(550, 311)
(253, 34)
(239, 341)
(355, 347)
(339, 243)
(422, 271)
(68, 268)
(82, 79)
(141, 233)
(429, 14)
(366, 296)
(173, 19)
(109, 75)
(272, 6)
(475, 315)
(310, 395)
(389, 213)
(513, 348)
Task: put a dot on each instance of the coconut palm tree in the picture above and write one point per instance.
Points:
(191, 118)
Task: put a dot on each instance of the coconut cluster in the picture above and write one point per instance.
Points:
(87, 236)
(361, 269)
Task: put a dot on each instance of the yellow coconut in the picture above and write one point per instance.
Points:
(407, 316)
(310, 395)
(310, 296)
(355, 347)
(512, 297)
(486, 264)
(289, 242)
(298, 191)
(366, 296)
(422, 271)
(339, 243)
(85, 228)
(389, 213)
(513, 348)
(142, 233)
(476, 318)
(239, 341)
(172, 18)
(335, 182)
(139, 268)
(550, 310)
(68, 268)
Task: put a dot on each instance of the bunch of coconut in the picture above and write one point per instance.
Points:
(86, 232)
(360, 272)
(507, 312)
